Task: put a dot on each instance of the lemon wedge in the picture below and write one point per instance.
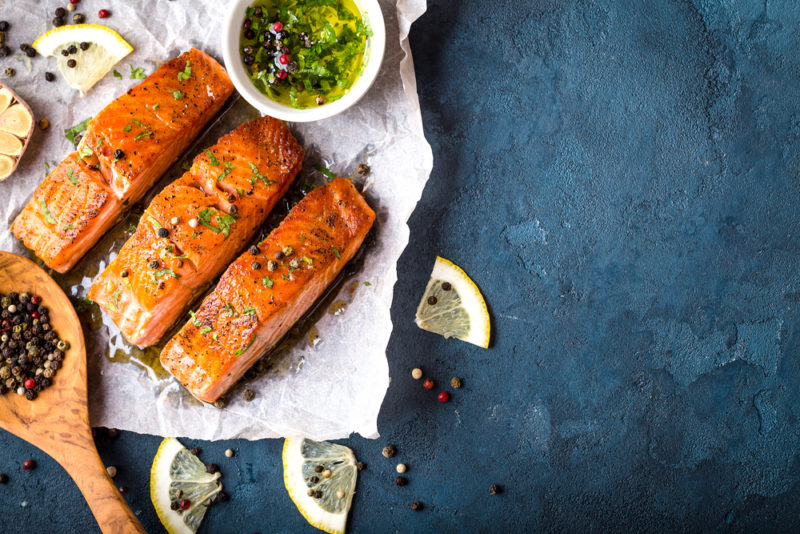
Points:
(321, 479)
(106, 49)
(453, 306)
(179, 476)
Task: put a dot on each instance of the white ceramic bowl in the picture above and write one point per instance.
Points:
(236, 70)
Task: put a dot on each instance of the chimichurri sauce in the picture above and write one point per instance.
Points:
(304, 53)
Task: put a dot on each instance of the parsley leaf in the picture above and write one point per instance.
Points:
(195, 320)
(137, 73)
(76, 130)
(113, 305)
(86, 152)
(240, 351)
(70, 226)
(267, 282)
(338, 255)
(163, 272)
(308, 260)
(226, 172)
(187, 72)
(177, 95)
(46, 212)
(248, 310)
(258, 175)
(214, 161)
(324, 170)
(205, 330)
(117, 74)
(71, 176)
(127, 127)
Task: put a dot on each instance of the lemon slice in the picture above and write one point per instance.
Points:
(453, 306)
(106, 49)
(178, 475)
(326, 502)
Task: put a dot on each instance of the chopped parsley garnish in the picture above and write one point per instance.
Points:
(205, 330)
(70, 226)
(157, 106)
(231, 310)
(117, 74)
(86, 152)
(267, 282)
(143, 134)
(214, 336)
(324, 170)
(46, 212)
(338, 255)
(224, 220)
(155, 222)
(177, 95)
(240, 191)
(138, 123)
(71, 176)
(248, 310)
(163, 272)
(195, 320)
(211, 159)
(72, 133)
(137, 73)
(308, 260)
(99, 142)
(113, 304)
(187, 72)
(258, 175)
(226, 172)
(128, 127)
(240, 351)
(285, 277)
(367, 283)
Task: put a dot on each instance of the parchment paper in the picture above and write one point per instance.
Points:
(324, 390)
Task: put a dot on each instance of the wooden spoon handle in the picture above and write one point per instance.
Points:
(108, 506)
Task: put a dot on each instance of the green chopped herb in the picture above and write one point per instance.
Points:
(205, 330)
(240, 191)
(258, 175)
(143, 134)
(302, 238)
(177, 95)
(324, 170)
(267, 282)
(138, 123)
(71, 176)
(240, 351)
(194, 234)
(214, 336)
(46, 212)
(186, 165)
(285, 277)
(117, 74)
(211, 159)
(226, 172)
(248, 310)
(137, 73)
(187, 72)
(195, 320)
(76, 130)
(131, 228)
(113, 304)
(308, 260)
(367, 284)
(99, 142)
(224, 220)
(155, 222)
(70, 226)
(163, 272)
(128, 127)
(156, 106)
(86, 152)
(337, 253)
(231, 310)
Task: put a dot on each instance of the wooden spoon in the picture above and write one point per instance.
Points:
(57, 421)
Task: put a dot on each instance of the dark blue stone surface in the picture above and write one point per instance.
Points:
(621, 179)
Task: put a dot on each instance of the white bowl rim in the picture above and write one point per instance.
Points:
(236, 71)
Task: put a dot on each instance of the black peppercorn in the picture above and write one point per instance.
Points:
(4, 51)
(31, 52)
(77, 18)
(3, 478)
(222, 497)
(319, 469)
(416, 506)
(254, 250)
(153, 264)
(432, 300)
(174, 505)
(60, 12)
(248, 59)
(318, 494)
(119, 154)
(49, 76)
(84, 45)
(314, 479)
(361, 466)
(248, 395)
(71, 63)
(72, 49)
(58, 21)
(195, 451)
(4, 26)
(400, 481)
(162, 232)
(124, 274)
(446, 286)
(212, 468)
(256, 266)
(249, 34)
(494, 489)
(279, 255)
(64, 52)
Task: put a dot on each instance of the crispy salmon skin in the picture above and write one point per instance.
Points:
(255, 303)
(124, 150)
(195, 227)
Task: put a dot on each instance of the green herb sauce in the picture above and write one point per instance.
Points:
(327, 49)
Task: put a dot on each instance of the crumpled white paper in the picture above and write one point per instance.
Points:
(325, 391)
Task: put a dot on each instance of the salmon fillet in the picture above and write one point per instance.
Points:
(252, 307)
(124, 150)
(227, 194)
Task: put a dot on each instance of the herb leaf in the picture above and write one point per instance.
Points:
(258, 175)
(163, 272)
(117, 74)
(308, 260)
(324, 170)
(113, 304)
(338, 255)
(71, 176)
(73, 132)
(248, 310)
(46, 212)
(177, 95)
(205, 330)
(86, 152)
(214, 161)
(137, 73)
(195, 320)
(226, 172)
(267, 282)
(70, 226)
(187, 72)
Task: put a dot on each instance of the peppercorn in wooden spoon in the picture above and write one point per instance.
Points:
(57, 421)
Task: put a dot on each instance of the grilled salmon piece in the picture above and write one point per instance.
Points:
(125, 149)
(153, 280)
(251, 309)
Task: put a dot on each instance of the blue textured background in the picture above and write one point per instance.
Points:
(621, 180)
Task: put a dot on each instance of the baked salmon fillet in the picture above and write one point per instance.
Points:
(195, 227)
(267, 289)
(124, 150)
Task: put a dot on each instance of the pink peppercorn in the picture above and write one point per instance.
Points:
(277, 26)
(30, 383)
(104, 13)
(444, 396)
(27, 465)
(185, 504)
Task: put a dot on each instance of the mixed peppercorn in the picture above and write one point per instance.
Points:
(31, 350)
